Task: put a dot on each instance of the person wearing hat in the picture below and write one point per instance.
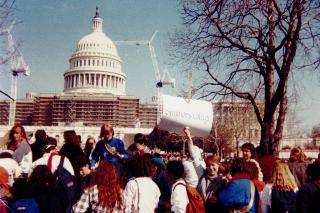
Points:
(159, 177)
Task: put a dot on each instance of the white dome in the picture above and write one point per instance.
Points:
(97, 42)
(95, 66)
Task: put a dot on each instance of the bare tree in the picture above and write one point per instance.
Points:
(220, 135)
(248, 49)
(236, 118)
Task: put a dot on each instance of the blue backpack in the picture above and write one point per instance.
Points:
(27, 205)
(67, 182)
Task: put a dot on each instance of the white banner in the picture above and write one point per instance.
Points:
(178, 113)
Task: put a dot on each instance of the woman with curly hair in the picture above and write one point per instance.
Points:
(141, 193)
(284, 188)
(104, 194)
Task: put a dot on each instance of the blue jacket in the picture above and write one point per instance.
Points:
(100, 152)
(236, 195)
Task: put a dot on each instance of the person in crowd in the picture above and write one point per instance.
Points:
(141, 193)
(253, 172)
(104, 194)
(309, 194)
(240, 193)
(179, 197)
(159, 177)
(18, 143)
(109, 148)
(210, 184)
(37, 147)
(42, 186)
(5, 194)
(266, 162)
(132, 150)
(72, 150)
(193, 162)
(140, 141)
(12, 167)
(298, 165)
(284, 188)
(89, 146)
(50, 152)
(265, 196)
(248, 154)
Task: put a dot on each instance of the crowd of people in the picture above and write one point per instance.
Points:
(105, 176)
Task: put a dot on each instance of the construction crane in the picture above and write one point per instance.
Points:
(17, 66)
(160, 81)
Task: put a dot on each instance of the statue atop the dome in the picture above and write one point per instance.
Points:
(97, 12)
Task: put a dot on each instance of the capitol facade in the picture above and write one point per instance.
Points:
(94, 92)
(95, 67)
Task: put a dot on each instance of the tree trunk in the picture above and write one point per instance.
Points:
(266, 137)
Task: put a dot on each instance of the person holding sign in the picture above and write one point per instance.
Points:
(193, 163)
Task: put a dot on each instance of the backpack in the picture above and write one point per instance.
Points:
(27, 205)
(314, 202)
(196, 204)
(67, 182)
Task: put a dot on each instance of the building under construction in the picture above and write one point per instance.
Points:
(94, 91)
(55, 110)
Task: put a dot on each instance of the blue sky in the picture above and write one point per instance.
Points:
(51, 29)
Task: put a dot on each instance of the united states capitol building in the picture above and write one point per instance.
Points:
(94, 93)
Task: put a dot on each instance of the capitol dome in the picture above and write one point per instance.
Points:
(95, 66)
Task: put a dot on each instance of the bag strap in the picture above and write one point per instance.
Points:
(49, 164)
(252, 190)
(61, 160)
(179, 184)
(89, 194)
(138, 194)
(109, 147)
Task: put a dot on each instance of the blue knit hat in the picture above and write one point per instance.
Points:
(159, 163)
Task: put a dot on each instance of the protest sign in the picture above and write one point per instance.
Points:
(177, 113)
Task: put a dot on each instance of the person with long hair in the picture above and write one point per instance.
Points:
(284, 188)
(18, 143)
(89, 146)
(72, 150)
(104, 194)
(298, 165)
(42, 186)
